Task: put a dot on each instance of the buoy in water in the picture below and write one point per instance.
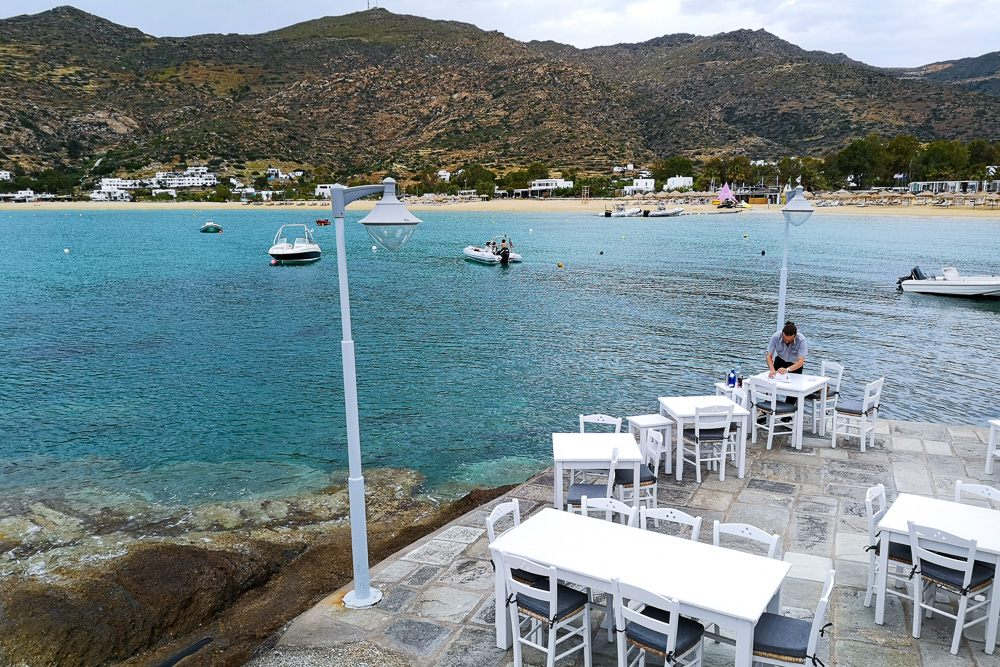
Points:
(560, 265)
(623, 238)
(374, 248)
(531, 231)
(65, 251)
(602, 252)
(744, 236)
(762, 253)
(274, 262)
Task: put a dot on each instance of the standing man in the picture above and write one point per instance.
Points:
(504, 252)
(786, 353)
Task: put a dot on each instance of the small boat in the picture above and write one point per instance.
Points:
(662, 211)
(323, 223)
(490, 253)
(951, 283)
(299, 251)
(620, 211)
(211, 228)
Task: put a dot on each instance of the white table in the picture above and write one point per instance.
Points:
(586, 451)
(970, 522)
(799, 385)
(716, 585)
(643, 424)
(991, 452)
(682, 409)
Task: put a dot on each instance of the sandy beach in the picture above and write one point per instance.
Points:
(503, 206)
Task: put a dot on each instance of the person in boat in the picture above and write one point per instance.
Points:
(786, 352)
(504, 252)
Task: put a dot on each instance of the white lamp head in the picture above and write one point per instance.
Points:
(798, 209)
(390, 224)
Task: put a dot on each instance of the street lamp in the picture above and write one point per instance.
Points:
(391, 226)
(796, 212)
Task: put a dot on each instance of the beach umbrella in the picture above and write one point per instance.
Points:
(808, 195)
(993, 198)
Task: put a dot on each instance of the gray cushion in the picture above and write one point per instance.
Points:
(981, 574)
(898, 552)
(781, 635)
(780, 407)
(689, 632)
(568, 600)
(524, 576)
(624, 476)
(707, 434)
(852, 408)
(577, 491)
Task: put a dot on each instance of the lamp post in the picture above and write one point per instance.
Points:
(796, 212)
(391, 226)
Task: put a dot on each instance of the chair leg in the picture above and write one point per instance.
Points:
(918, 599)
(770, 430)
(871, 579)
(697, 462)
(586, 636)
(864, 431)
(515, 622)
(963, 604)
(550, 659)
(833, 429)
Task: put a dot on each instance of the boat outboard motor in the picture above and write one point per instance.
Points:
(915, 274)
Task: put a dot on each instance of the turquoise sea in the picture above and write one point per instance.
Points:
(153, 361)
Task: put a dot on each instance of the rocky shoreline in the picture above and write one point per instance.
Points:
(136, 584)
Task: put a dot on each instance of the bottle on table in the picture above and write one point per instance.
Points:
(739, 375)
(731, 379)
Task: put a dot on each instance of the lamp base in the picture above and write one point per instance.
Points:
(351, 601)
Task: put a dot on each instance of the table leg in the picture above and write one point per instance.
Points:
(669, 454)
(742, 469)
(744, 644)
(635, 485)
(680, 447)
(991, 620)
(822, 416)
(882, 577)
(800, 414)
(557, 484)
(991, 449)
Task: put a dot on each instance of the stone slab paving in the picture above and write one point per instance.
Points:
(438, 606)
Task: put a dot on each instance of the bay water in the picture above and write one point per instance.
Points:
(155, 362)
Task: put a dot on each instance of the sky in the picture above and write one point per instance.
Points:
(886, 33)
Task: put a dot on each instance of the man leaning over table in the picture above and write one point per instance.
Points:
(786, 353)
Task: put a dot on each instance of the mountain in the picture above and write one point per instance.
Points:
(375, 91)
(981, 74)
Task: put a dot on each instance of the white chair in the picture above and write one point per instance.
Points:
(539, 613)
(821, 410)
(960, 575)
(746, 532)
(781, 417)
(671, 515)
(626, 514)
(600, 419)
(650, 623)
(658, 447)
(625, 488)
(577, 491)
(854, 415)
(791, 642)
(900, 558)
(990, 494)
(992, 451)
(513, 509)
(710, 440)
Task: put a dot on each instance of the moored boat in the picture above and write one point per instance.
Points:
(492, 252)
(619, 211)
(662, 211)
(300, 250)
(950, 283)
(211, 228)
(323, 223)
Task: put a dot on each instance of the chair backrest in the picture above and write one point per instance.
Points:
(817, 623)
(764, 392)
(626, 613)
(981, 490)
(924, 540)
(510, 507)
(747, 532)
(600, 419)
(873, 394)
(626, 514)
(875, 496)
(655, 444)
(515, 587)
(739, 396)
(834, 371)
(714, 416)
(671, 515)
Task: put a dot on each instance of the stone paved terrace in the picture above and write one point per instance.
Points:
(438, 605)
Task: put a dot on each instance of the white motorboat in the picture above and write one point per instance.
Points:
(491, 252)
(619, 211)
(211, 228)
(950, 283)
(662, 211)
(300, 250)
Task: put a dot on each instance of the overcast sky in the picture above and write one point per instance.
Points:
(900, 33)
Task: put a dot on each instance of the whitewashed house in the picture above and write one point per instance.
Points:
(639, 186)
(192, 177)
(444, 175)
(6, 176)
(322, 190)
(120, 184)
(110, 194)
(543, 187)
(678, 183)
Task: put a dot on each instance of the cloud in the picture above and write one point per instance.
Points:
(886, 33)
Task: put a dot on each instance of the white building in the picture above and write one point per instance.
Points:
(678, 183)
(543, 187)
(645, 174)
(444, 175)
(323, 190)
(639, 186)
(6, 176)
(938, 187)
(193, 177)
(276, 173)
(110, 194)
(120, 184)
(165, 191)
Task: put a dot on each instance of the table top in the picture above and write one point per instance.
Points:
(970, 522)
(649, 421)
(683, 407)
(595, 447)
(995, 422)
(729, 582)
(796, 383)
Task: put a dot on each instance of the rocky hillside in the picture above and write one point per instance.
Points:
(981, 74)
(373, 91)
